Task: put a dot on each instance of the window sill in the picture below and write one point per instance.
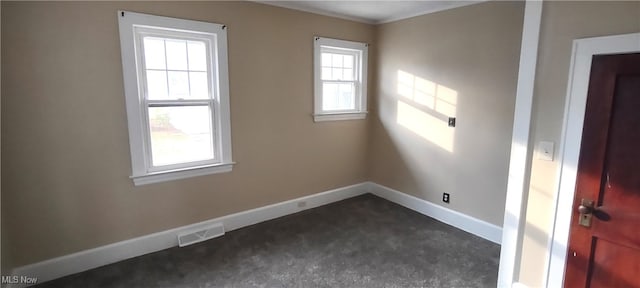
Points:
(164, 176)
(339, 116)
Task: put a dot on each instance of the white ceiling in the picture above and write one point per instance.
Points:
(372, 12)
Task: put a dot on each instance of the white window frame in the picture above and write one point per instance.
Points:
(132, 27)
(360, 51)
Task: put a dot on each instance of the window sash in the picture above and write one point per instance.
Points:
(340, 81)
(357, 65)
(356, 97)
(210, 48)
(355, 82)
(210, 102)
(214, 136)
(170, 103)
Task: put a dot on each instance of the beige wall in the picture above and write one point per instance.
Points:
(561, 23)
(66, 162)
(473, 50)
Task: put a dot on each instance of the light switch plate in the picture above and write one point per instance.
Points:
(545, 150)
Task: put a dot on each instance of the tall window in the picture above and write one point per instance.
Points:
(340, 79)
(176, 87)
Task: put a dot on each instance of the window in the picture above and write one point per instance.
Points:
(177, 96)
(340, 79)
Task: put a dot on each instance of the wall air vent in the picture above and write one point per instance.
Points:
(206, 233)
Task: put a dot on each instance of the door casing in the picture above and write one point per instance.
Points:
(575, 103)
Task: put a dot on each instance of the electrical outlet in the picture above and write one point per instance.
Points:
(445, 197)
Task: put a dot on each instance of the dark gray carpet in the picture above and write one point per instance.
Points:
(364, 241)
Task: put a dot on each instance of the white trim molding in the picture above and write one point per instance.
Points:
(134, 28)
(100, 256)
(359, 53)
(576, 99)
(163, 176)
(518, 285)
(456, 219)
(424, 10)
(520, 162)
(339, 116)
(88, 259)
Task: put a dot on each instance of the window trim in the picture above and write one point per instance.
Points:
(142, 170)
(361, 82)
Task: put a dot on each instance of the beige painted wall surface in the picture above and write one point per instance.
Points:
(562, 22)
(66, 162)
(467, 58)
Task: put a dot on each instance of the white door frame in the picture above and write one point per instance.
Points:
(521, 146)
(576, 99)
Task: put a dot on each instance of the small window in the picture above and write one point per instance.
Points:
(177, 95)
(340, 79)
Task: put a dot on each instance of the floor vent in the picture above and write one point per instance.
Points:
(192, 237)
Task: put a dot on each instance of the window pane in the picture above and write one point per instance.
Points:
(326, 73)
(178, 85)
(338, 96)
(326, 59)
(336, 60)
(346, 98)
(197, 56)
(337, 74)
(154, 53)
(157, 85)
(199, 87)
(329, 96)
(347, 74)
(176, 54)
(348, 61)
(180, 134)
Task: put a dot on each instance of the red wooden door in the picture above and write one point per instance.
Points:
(607, 254)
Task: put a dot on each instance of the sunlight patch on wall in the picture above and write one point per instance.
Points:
(425, 107)
(434, 96)
(425, 125)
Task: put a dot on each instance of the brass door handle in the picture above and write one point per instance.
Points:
(587, 207)
(583, 209)
(586, 210)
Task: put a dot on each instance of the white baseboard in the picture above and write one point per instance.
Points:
(100, 256)
(456, 219)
